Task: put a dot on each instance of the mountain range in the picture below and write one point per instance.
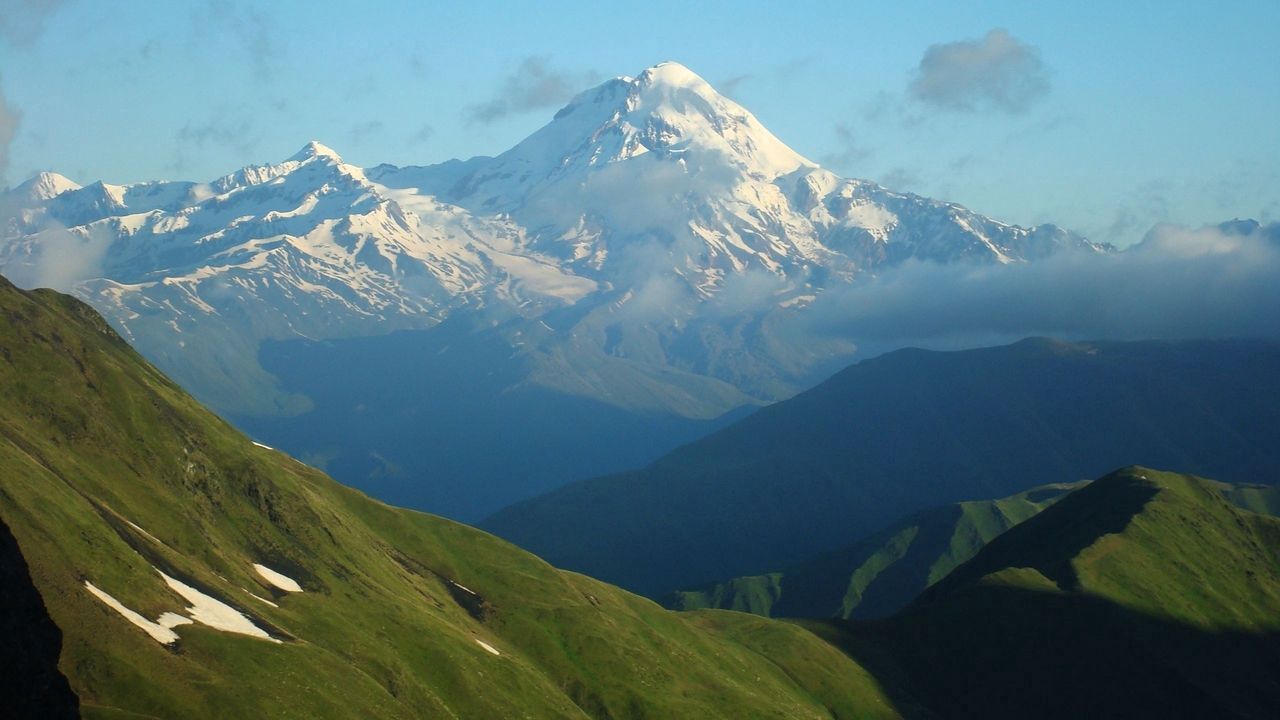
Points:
(644, 264)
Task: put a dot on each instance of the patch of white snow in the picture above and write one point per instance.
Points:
(281, 581)
(153, 538)
(464, 588)
(215, 613)
(262, 599)
(160, 631)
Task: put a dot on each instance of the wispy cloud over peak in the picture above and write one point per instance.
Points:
(533, 85)
(997, 72)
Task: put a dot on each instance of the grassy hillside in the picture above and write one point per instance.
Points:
(881, 574)
(112, 477)
(1144, 594)
(904, 432)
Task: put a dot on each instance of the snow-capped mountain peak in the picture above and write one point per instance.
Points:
(667, 112)
(315, 149)
(318, 156)
(661, 170)
(691, 112)
(672, 74)
(45, 186)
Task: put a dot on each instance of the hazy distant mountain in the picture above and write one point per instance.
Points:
(652, 249)
(905, 432)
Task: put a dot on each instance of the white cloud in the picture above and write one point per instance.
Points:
(58, 259)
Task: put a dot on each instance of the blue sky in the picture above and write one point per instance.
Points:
(1104, 117)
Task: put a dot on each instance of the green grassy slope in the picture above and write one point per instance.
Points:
(109, 472)
(1144, 594)
(904, 432)
(880, 574)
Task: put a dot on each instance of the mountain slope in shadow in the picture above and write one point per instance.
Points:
(1145, 594)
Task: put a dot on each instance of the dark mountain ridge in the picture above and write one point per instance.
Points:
(903, 432)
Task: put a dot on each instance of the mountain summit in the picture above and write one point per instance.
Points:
(665, 115)
(45, 186)
(662, 172)
(315, 149)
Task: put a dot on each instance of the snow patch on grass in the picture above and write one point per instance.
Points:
(463, 588)
(264, 447)
(279, 580)
(487, 646)
(215, 613)
(173, 620)
(161, 630)
(256, 597)
(151, 537)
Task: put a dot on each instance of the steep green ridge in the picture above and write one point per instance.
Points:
(904, 432)
(110, 475)
(881, 574)
(1144, 594)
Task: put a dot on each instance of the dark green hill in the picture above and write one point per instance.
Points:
(1144, 594)
(904, 432)
(879, 575)
(134, 511)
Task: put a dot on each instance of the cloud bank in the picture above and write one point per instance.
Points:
(1211, 282)
(998, 72)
